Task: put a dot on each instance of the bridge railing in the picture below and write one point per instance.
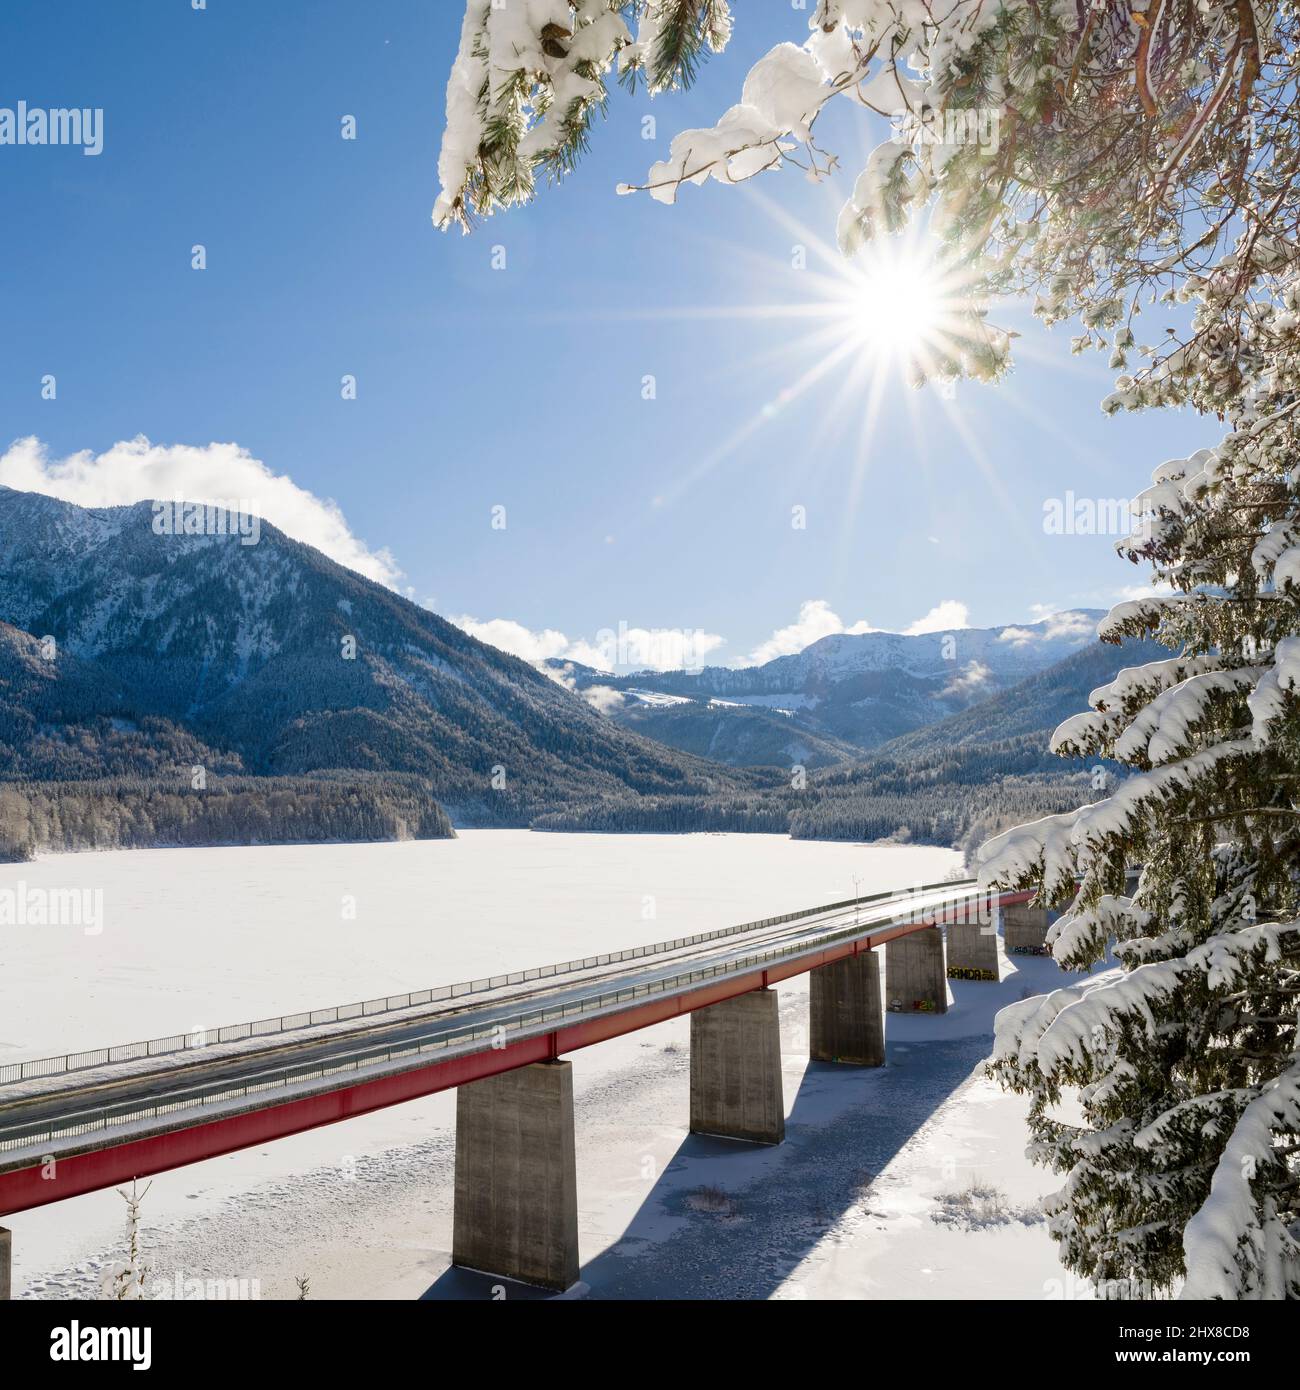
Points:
(340, 1013)
(104, 1118)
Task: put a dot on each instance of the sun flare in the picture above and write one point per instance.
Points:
(901, 306)
(853, 330)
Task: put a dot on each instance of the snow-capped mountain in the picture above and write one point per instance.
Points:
(1008, 654)
(268, 658)
(861, 689)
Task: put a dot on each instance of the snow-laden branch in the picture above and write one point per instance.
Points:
(529, 76)
(1069, 1028)
(1237, 1245)
(1056, 850)
(1277, 693)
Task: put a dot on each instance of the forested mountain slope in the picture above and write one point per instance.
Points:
(841, 695)
(128, 653)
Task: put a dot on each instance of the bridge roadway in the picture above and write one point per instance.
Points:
(112, 1123)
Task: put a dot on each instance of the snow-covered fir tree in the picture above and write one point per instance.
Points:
(1186, 1066)
(1145, 155)
(124, 1280)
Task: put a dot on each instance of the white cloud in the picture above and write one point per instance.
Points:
(517, 639)
(136, 470)
(1136, 591)
(972, 680)
(622, 648)
(676, 649)
(1053, 624)
(943, 617)
(603, 697)
(657, 648)
(817, 620)
(1071, 623)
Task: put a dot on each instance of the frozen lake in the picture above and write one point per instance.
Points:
(858, 1203)
(197, 938)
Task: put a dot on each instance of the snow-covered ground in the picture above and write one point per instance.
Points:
(903, 1181)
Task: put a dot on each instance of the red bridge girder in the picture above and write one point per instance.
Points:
(109, 1165)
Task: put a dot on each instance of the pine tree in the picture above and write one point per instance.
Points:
(125, 1279)
(1145, 155)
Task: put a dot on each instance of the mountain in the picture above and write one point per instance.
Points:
(841, 695)
(69, 719)
(735, 734)
(954, 782)
(1032, 708)
(270, 660)
(969, 775)
(305, 702)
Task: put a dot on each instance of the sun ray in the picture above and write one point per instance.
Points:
(785, 397)
(894, 314)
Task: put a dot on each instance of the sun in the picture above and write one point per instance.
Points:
(900, 305)
(895, 310)
(903, 312)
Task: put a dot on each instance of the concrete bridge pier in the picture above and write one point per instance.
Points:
(845, 1019)
(972, 951)
(6, 1264)
(1024, 929)
(516, 1204)
(736, 1069)
(915, 979)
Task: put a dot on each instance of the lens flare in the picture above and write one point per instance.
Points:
(901, 306)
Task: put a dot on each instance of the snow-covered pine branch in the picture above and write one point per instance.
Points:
(1162, 1183)
(530, 75)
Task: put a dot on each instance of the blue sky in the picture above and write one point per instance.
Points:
(521, 388)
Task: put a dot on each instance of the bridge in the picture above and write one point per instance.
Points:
(86, 1121)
